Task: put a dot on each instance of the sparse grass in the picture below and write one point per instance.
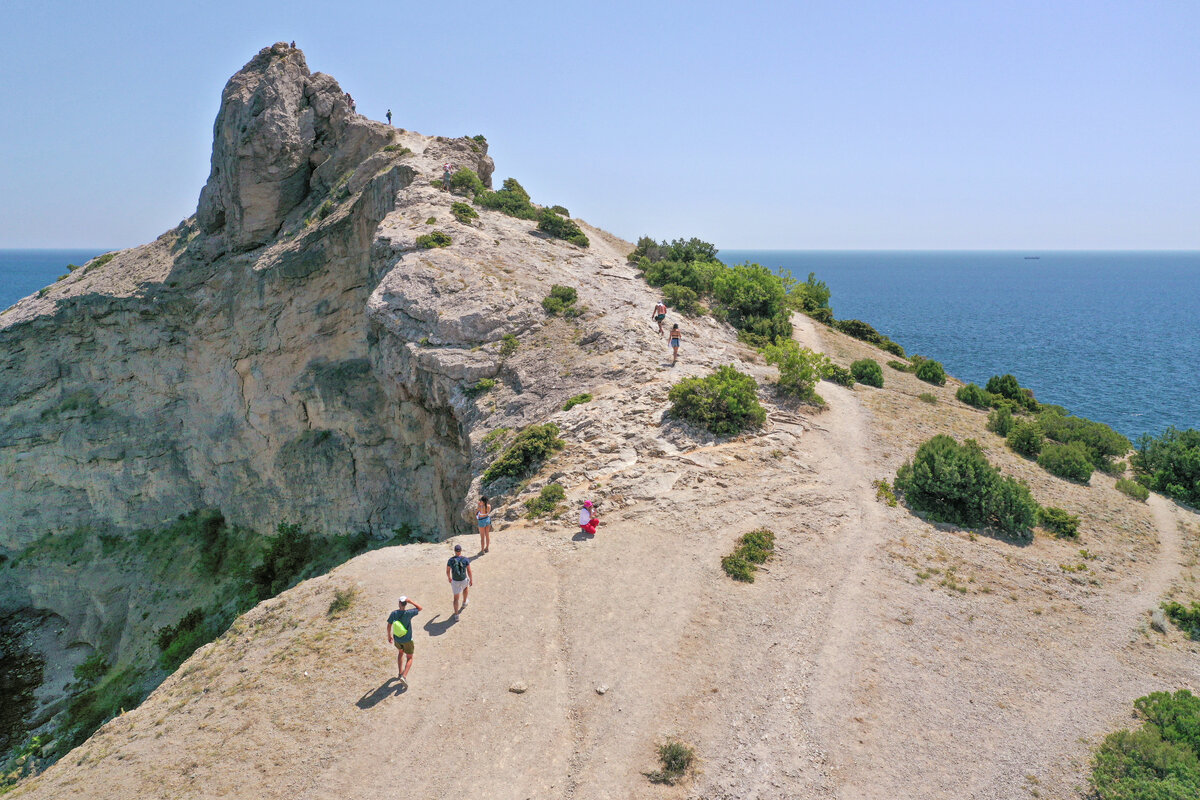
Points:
(676, 758)
(578, 399)
(752, 549)
(928, 397)
(481, 386)
(494, 439)
(1132, 489)
(398, 149)
(547, 501)
(883, 491)
(343, 599)
(508, 345)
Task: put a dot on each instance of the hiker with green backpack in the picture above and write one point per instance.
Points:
(399, 633)
(458, 572)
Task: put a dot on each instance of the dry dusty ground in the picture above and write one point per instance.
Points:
(876, 656)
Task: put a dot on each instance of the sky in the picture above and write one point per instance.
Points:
(757, 125)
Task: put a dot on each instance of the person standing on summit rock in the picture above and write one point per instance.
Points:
(399, 633)
(389, 116)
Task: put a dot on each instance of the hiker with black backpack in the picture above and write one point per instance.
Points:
(458, 572)
(399, 633)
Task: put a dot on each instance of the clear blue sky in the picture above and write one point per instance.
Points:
(1024, 125)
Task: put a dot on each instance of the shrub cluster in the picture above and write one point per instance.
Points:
(1170, 464)
(861, 330)
(928, 397)
(931, 371)
(508, 345)
(547, 500)
(1159, 761)
(1006, 386)
(725, 402)
(684, 300)
(902, 366)
(561, 300)
(972, 395)
(1133, 489)
(561, 227)
(1101, 443)
(434, 239)
(578, 399)
(526, 452)
(756, 302)
(868, 371)
(463, 212)
(1026, 438)
(799, 369)
(510, 199)
(465, 182)
(1000, 421)
(679, 250)
(955, 483)
(1059, 522)
(1068, 461)
(752, 549)
(838, 375)
(1186, 618)
(676, 758)
(481, 386)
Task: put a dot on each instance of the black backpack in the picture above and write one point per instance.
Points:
(458, 568)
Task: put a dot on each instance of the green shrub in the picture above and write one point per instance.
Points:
(560, 301)
(677, 758)
(755, 301)
(434, 239)
(1026, 438)
(932, 371)
(752, 549)
(547, 501)
(822, 315)
(431, 221)
(342, 600)
(1007, 386)
(972, 395)
(561, 211)
(928, 397)
(578, 399)
(799, 367)
(1069, 461)
(811, 296)
(884, 492)
(561, 227)
(508, 345)
(92, 669)
(1176, 717)
(867, 371)
(954, 483)
(838, 375)
(528, 450)
(1170, 464)
(1133, 489)
(398, 149)
(679, 250)
(1059, 522)
(695, 275)
(99, 261)
(180, 640)
(1000, 421)
(725, 402)
(463, 212)
(901, 366)
(480, 387)
(1101, 442)
(682, 299)
(511, 199)
(1140, 765)
(861, 330)
(1186, 618)
(465, 182)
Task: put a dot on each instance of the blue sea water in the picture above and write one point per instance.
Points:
(1113, 336)
(23, 272)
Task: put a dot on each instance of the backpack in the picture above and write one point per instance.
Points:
(398, 629)
(458, 569)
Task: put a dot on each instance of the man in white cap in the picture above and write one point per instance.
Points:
(458, 572)
(399, 633)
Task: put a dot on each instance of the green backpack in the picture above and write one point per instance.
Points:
(398, 629)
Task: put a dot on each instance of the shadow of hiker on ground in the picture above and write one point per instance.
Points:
(435, 628)
(580, 536)
(386, 689)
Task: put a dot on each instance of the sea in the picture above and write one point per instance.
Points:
(1112, 336)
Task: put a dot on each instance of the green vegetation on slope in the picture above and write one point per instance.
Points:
(725, 402)
(1170, 464)
(1160, 760)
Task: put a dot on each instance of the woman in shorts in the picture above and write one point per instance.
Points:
(676, 335)
(483, 518)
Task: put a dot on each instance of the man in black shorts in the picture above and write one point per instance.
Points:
(660, 313)
(458, 573)
(399, 633)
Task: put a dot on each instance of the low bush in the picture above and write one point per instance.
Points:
(481, 386)
(342, 600)
(928, 397)
(494, 438)
(1141, 765)
(955, 483)
(463, 213)
(578, 399)
(838, 375)
(465, 182)
(695, 275)
(1007, 386)
(931, 371)
(677, 758)
(1170, 464)
(429, 241)
(756, 302)
(1068, 461)
(682, 299)
(561, 227)
(398, 149)
(1026, 439)
(1101, 442)
(1059, 522)
(861, 330)
(724, 402)
(177, 642)
(431, 221)
(901, 366)
(1186, 618)
(822, 315)
(511, 199)
(1133, 489)
(508, 345)
(547, 500)
(972, 395)
(92, 669)
(1000, 421)
(867, 371)
(799, 367)
(752, 549)
(884, 492)
(679, 250)
(527, 451)
(561, 300)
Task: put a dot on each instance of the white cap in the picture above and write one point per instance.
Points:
(403, 599)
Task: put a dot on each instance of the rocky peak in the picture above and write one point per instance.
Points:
(282, 132)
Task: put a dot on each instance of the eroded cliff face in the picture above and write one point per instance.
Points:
(232, 362)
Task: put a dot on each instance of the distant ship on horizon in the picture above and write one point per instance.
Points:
(1033, 258)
